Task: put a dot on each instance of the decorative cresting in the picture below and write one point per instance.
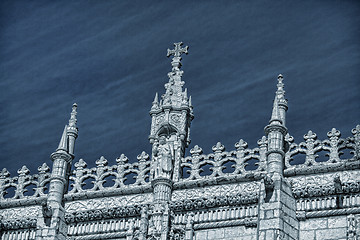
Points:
(24, 185)
(125, 175)
(223, 163)
(334, 148)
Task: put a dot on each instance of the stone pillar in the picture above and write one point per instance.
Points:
(144, 222)
(160, 209)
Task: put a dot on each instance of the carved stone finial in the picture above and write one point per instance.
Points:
(43, 168)
(241, 145)
(143, 157)
(262, 142)
(155, 103)
(23, 171)
(334, 133)
(122, 159)
(4, 173)
(101, 162)
(73, 120)
(218, 147)
(81, 164)
(280, 92)
(310, 136)
(178, 50)
(356, 131)
(196, 150)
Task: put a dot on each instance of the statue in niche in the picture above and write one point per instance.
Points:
(164, 157)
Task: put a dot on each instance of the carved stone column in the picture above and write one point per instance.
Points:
(160, 209)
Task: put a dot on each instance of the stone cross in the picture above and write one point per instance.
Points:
(178, 50)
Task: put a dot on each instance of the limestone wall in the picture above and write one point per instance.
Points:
(328, 228)
(227, 233)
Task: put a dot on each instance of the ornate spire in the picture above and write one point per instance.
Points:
(174, 95)
(63, 145)
(173, 112)
(279, 108)
(276, 116)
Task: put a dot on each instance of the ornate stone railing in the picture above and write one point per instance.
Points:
(123, 174)
(220, 160)
(332, 147)
(24, 185)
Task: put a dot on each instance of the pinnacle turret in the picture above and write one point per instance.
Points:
(278, 114)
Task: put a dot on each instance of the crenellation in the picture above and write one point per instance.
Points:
(165, 195)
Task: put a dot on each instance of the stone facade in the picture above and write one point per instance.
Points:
(167, 195)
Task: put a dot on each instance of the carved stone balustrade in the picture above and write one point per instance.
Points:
(333, 149)
(24, 186)
(218, 162)
(122, 174)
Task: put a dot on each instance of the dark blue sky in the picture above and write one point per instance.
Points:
(110, 58)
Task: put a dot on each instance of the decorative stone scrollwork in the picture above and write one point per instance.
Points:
(219, 201)
(21, 182)
(120, 172)
(353, 227)
(18, 223)
(318, 190)
(217, 160)
(177, 232)
(105, 213)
